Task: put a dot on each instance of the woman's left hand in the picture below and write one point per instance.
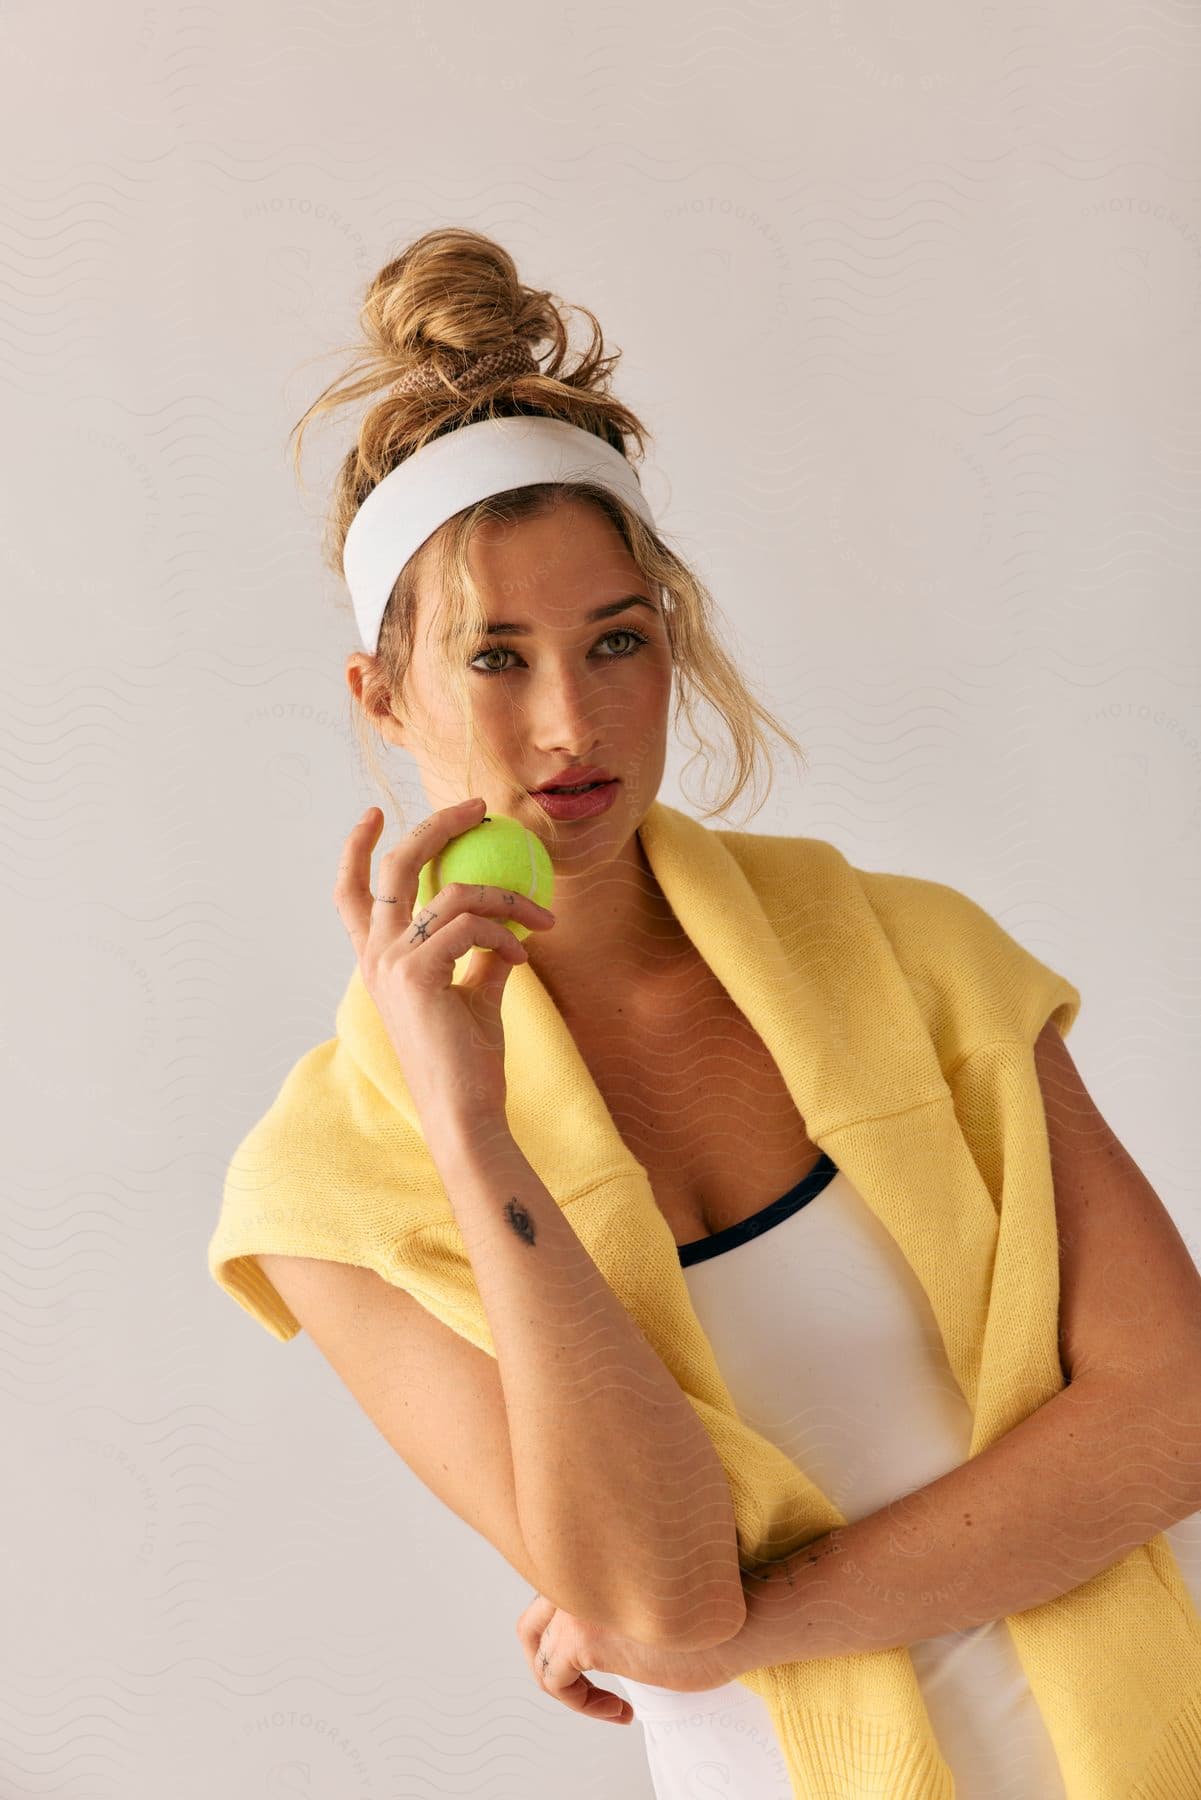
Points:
(559, 1647)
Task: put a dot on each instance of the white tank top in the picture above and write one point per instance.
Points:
(830, 1349)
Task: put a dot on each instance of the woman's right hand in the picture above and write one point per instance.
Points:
(448, 1038)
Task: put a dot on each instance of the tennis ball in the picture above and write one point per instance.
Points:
(499, 852)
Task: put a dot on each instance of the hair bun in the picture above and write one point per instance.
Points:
(449, 296)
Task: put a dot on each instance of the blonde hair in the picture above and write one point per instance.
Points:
(451, 296)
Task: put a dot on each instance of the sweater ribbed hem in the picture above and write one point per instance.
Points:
(1174, 1772)
(833, 1757)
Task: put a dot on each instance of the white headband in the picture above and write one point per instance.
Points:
(454, 471)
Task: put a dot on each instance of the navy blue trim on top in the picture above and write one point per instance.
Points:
(700, 1249)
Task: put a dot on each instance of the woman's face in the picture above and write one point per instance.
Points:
(551, 687)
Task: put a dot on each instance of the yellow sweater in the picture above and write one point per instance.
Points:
(902, 1018)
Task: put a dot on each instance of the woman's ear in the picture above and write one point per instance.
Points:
(372, 695)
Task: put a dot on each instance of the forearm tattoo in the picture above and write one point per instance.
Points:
(520, 1220)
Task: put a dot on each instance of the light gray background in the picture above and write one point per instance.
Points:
(909, 297)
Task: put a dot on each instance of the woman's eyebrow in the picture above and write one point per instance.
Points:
(600, 612)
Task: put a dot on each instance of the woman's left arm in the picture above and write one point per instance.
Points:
(1110, 1461)
(1100, 1468)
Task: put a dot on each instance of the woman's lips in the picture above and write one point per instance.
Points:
(579, 806)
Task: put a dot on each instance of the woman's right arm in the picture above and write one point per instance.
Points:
(546, 1433)
(623, 1501)
(434, 1399)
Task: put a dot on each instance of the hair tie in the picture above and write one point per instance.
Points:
(513, 358)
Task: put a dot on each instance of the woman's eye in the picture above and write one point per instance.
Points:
(620, 631)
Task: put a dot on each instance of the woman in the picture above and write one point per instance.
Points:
(751, 1365)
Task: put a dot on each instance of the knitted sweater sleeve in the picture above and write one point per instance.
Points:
(329, 1171)
(975, 981)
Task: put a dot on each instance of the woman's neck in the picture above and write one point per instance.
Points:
(618, 937)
